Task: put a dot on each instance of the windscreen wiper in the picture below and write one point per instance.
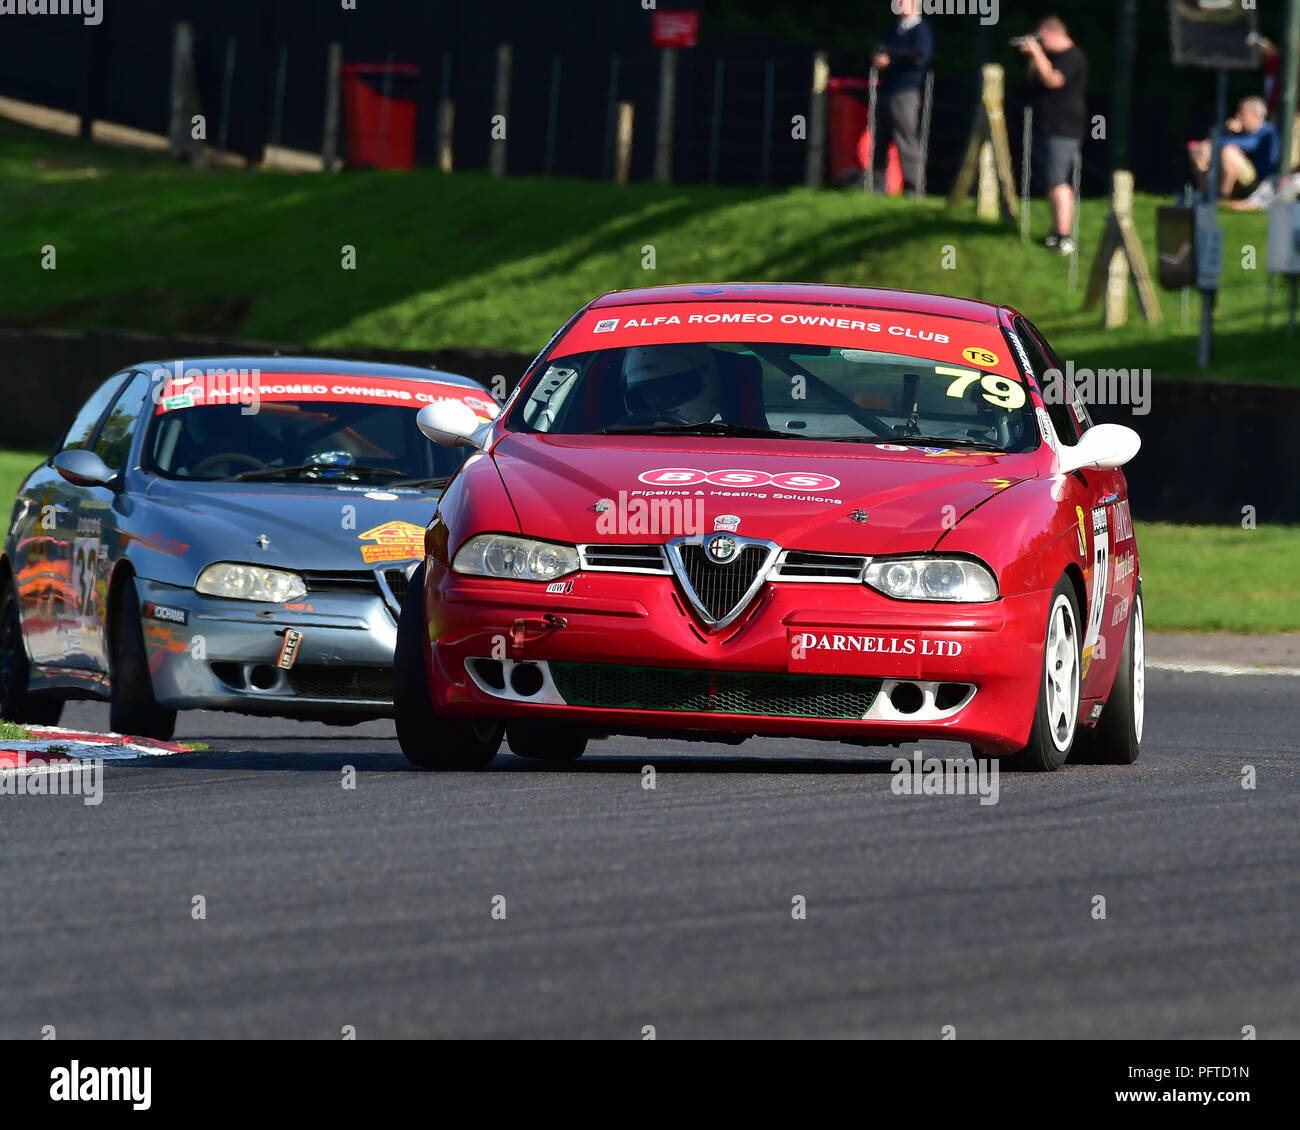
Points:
(305, 468)
(918, 441)
(707, 428)
(433, 481)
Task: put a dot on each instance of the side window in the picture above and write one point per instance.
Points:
(114, 440)
(1053, 388)
(1082, 417)
(83, 427)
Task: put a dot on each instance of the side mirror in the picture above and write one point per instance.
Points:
(83, 468)
(1103, 447)
(451, 423)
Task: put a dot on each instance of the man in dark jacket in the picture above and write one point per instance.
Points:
(1058, 69)
(902, 61)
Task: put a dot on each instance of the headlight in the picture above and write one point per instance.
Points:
(932, 578)
(250, 582)
(517, 559)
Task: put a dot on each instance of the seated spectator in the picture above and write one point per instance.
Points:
(1250, 152)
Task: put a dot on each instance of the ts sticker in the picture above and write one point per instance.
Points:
(981, 357)
(808, 481)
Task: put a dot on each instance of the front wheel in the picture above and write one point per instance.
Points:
(1117, 737)
(1057, 715)
(427, 740)
(132, 708)
(17, 704)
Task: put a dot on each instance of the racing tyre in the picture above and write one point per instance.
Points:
(546, 743)
(427, 740)
(1057, 716)
(16, 703)
(1117, 737)
(132, 708)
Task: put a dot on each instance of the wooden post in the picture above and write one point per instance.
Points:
(623, 143)
(998, 190)
(815, 169)
(667, 108)
(501, 110)
(329, 153)
(1121, 243)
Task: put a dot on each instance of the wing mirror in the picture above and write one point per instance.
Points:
(1103, 447)
(84, 468)
(452, 423)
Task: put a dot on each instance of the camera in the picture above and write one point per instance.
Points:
(1021, 40)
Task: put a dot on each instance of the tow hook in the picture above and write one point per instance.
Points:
(520, 629)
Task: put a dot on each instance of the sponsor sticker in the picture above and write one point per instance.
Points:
(396, 541)
(729, 523)
(165, 612)
(803, 481)
(289, 649)
(605, 326)
(1083, 531)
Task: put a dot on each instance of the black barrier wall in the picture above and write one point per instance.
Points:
(1208, 449)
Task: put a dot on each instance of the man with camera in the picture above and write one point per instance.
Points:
(1058, 69)
(902, 60)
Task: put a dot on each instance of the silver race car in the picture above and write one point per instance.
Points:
(228, 534)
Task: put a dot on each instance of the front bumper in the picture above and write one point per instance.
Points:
(224, 655)
(806, 660)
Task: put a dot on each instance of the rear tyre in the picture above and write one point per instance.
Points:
(1117, 737)
(546, 742)
(1057, 715)
(426, 739)
(132, 708)
(17, 704)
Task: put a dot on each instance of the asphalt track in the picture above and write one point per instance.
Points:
(625, 907)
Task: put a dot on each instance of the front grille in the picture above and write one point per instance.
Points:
(318, 681)
(797, 565)
(341, 580)
(395, 579)
(720, 588)
(624, 558)
(713, 692)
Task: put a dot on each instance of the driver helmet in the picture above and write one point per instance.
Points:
(678, 382)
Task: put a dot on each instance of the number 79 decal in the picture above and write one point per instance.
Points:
(1001, 391)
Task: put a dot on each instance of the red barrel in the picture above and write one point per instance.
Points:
(381, 131)
(850, 140)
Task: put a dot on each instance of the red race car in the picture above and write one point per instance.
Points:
(714, 512)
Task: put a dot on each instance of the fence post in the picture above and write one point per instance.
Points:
(715, 127)
(501, 109)
(329, 153)
(815, 170)
(667, 107)
(623, 153)
(446, 117)
(182, 84)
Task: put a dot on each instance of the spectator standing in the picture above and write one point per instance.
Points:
(1058, 70)
(902, 60)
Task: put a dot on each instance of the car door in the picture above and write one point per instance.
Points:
(1100, 503)
(44, 539)
(97, 514)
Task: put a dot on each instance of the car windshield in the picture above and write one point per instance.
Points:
(778, 391)
(330, 441)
